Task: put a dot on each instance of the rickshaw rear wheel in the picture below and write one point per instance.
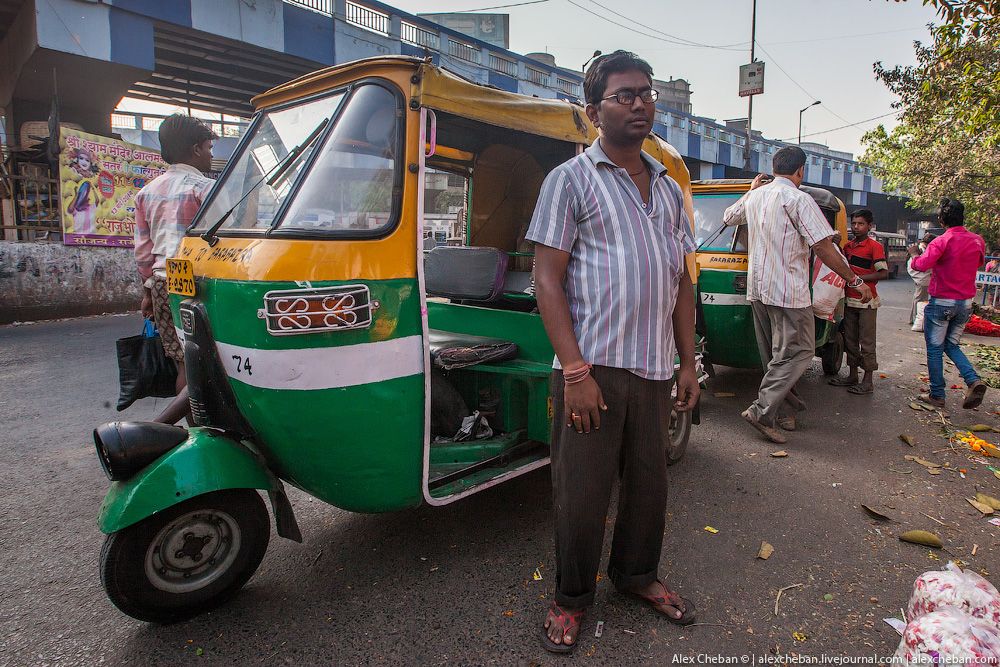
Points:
(832, 354)
(187, 558)
(680, 433)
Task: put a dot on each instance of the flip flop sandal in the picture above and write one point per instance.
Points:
(857, 389)
(656, 601)
(842, 382)
(565, 620)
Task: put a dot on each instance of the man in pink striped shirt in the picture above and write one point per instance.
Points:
(784, 224)
(954, 257)
(164, 209)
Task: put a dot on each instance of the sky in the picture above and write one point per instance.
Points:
(813, 50)
(826, 49)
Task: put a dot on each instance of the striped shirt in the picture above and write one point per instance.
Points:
(163, 210)
(783, 224)
(626, 259)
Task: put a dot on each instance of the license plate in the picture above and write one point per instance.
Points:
(180, 277)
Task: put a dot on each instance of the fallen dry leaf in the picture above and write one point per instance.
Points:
(982, 507)
(916, 406)
(779, 454)
(875, 513)
(922, 461)
(980, 428)
(724, 394)
(765, 551)
(908, 439)
(709, 529)
(988, 500)
(923, 537)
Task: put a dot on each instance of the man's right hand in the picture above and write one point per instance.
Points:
(146, 305)
(759, 180)
(584, 403)
(866, 292)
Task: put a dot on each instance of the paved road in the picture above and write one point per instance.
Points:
(453, 585)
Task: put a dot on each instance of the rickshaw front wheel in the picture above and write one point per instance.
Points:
(680, 433)
(187, 558)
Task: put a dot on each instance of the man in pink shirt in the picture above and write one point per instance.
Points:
(954, 257)
(164, 209)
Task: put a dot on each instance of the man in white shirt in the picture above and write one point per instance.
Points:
(784, 224)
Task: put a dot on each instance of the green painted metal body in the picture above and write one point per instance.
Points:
(207, 461)
(729, 333)
(359, 447)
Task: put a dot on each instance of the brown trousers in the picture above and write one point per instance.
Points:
(631, 446)
(859, 337)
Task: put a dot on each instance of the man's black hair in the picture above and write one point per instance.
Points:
(951, 213)
(596, 80)
(865, 214)
(179, 134)
(788, 160)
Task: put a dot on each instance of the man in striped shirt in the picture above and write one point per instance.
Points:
(164, 209)
(784, 224)
(613, 290)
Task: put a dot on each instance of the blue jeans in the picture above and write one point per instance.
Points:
(944, 322)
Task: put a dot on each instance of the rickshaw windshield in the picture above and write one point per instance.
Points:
(708, 210)
(274, 135)
(352, 172)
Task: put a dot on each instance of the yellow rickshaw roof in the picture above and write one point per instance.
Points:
(823, 198)
(441, 90)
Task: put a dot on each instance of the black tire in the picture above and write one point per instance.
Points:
(143, 585)
(680, 434)
(832, 354)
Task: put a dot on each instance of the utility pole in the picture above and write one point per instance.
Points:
(753, 43)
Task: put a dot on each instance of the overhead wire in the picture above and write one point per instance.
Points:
(844, 127)
(678, 40)
(800, 86)
(483, 9)
(620, 25)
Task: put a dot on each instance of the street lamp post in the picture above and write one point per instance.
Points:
(800, 117)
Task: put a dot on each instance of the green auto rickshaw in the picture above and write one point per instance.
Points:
(724, 316)
(325, 348)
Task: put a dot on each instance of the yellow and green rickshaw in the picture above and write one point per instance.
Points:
(324, 347)
(725, 320)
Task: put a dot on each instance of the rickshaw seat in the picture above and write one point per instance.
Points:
(457, 350)
(465, 273)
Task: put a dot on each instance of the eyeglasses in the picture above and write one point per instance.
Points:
(627, 97)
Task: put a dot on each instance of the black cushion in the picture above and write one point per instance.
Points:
(465, 273)
(455, 350)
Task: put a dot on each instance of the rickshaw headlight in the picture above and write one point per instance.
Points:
(125, 448)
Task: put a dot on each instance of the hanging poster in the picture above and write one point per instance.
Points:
(99, 178)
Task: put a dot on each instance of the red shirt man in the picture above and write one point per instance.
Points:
(867, 259)
(866, 256)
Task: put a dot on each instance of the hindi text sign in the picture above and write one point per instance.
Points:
(98, 180)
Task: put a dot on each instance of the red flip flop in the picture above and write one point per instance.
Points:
(565, 619)
(657, 601)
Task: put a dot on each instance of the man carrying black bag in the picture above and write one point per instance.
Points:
(164, 209)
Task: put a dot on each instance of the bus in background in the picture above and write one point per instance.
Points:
(895, 251)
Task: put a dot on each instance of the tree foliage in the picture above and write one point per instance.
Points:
(947, 143)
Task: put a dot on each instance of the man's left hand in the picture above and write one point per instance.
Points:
(688, 390)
